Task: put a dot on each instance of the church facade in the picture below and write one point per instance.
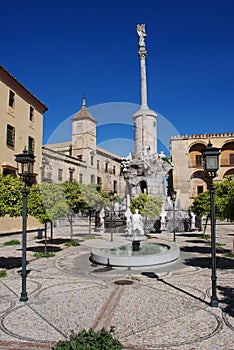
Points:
(81, 159)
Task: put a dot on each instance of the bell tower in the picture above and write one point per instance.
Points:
(83, 133)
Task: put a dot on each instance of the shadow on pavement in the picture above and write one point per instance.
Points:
(153, 275)
(196, 241)
(205, 262)
(189, 234)
(10, 262)
(50, 249)
(228, 297)
(203, 250)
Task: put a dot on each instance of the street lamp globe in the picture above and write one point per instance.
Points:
(173, 195)
(26, 162)
(210, 157)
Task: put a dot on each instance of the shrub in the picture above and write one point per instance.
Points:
(44, 255)
(90, 340)
(71, 244)
(12, 242)
(3, 273)
(229, 254)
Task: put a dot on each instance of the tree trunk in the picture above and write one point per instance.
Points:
(204, 231)
(71, 226)
(89, 222)
(45, 249)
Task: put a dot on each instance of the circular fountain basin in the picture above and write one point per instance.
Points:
(149, 254)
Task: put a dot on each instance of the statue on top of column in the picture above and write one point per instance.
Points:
(141, 33)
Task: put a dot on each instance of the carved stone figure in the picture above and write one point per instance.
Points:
(141, 33)
(128, 215)
(137, 224)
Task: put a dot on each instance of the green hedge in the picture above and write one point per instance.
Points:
(90, 340)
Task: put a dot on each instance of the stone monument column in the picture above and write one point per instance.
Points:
(145, 134)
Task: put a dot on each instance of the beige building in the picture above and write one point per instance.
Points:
(81, 159)
(21, 116)
(188, 177)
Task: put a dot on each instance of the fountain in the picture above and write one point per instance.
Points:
(144, 172)
(136, 254)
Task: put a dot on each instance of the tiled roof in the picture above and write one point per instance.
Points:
(83, 112)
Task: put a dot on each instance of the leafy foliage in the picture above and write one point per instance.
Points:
(90, 340)
(47, 202)
(201, 204)
(152, 207)
(138, 203)
(73, 196)
(224, 200)
(44, 255)
(3, 273)
(11, 196)
(93, 198)
(12, 242)
(71, 244)
(148, 206)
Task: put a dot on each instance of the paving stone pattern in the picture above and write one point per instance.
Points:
(164, 307)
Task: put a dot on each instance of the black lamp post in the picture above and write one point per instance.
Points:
(211, 165)
(111, 197)
(26, 161)
(173, 197)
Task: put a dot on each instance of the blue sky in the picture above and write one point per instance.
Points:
(60, 50)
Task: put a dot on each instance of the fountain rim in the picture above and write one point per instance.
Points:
(101, 258)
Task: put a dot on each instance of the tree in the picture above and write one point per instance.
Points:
(94, 199)
(201, 204)
(138, 203)
(74, 199)
(11, 196)
(148, 206)
(224, 200)
(47, 202)
(152, 207)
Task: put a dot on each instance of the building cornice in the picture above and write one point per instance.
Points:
(13, 83)
(202, 136)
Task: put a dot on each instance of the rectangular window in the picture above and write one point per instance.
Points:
(99, 183)
(98, 165)
(199, 189)
(231, 158)
(92, 179)
(115, 186)
(91, 160)
(71, 175)
(10, 137)
(114, 170)
(80, 178)
(31, 144)
(198, 160)
(106, 167)
(60, 174)
(31, 114)
(11, 99)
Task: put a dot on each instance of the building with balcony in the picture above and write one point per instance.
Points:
(188, 177)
